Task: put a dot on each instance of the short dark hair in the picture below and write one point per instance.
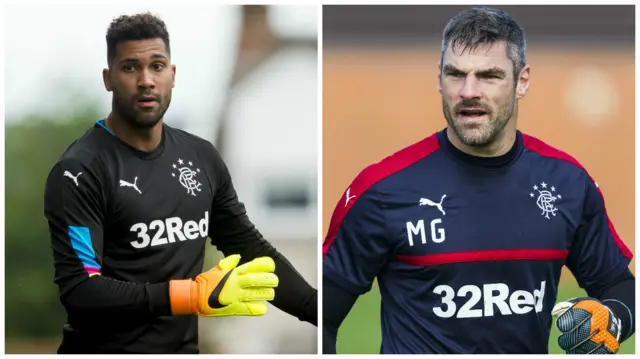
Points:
(141, 26)
(484, 26)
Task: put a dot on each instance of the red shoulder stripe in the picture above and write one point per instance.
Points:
(373, 174)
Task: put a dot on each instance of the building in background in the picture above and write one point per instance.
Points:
(268, 131)
(268, 136)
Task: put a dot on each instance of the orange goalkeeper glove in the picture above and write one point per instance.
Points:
(587, 327)
(226, 290)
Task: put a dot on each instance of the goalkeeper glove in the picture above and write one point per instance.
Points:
(226, 290)
(587, 327)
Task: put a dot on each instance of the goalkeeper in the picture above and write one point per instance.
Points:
(130, 205)
(466, 232)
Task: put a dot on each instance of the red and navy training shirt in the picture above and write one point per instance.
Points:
(468, 251)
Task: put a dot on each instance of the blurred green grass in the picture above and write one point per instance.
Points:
(360, 331)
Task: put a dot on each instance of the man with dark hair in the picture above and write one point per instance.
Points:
(130, 204)
(467, 231)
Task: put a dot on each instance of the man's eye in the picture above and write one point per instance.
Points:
(128, 68)
(158, 66)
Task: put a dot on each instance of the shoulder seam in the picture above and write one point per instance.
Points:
(556, 155)
(372, 175)
(429, 141)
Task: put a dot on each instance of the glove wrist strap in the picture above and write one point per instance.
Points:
(183, 296)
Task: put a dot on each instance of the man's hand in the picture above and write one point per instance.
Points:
(226, 290)
(587, 327)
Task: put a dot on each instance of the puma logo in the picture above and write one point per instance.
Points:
(430, 203)
(348, 198)
(127, 184)
(74, 178)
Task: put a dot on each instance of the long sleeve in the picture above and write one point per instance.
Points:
(597, 254)
(74, 203)
(337, 303)
(599, 259)
(232, 232)
(620, 297)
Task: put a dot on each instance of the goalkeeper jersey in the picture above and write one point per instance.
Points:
(116, 215)
(468, 251)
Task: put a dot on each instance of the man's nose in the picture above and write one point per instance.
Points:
(471, 89)
(146, 80)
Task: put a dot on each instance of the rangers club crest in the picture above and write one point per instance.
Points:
(187, 176)
(546, 199)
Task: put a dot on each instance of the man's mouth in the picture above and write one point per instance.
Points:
(147, 101)
(472, 112)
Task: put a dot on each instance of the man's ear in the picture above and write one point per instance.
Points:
(522, 86)
(173, 74)
(439, 77)
(106, 80)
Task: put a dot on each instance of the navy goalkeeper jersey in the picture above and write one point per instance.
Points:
(468, 251)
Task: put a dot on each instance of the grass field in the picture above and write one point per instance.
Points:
(360, 332)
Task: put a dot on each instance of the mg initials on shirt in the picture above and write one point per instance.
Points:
(437, 232)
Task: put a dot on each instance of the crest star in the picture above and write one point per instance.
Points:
(174, 166)
(190, 163)
(535, 187)
(559, 196)
(173, 174)
(544, 185)
(531, 194)
(553, 188)
(180, 161)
